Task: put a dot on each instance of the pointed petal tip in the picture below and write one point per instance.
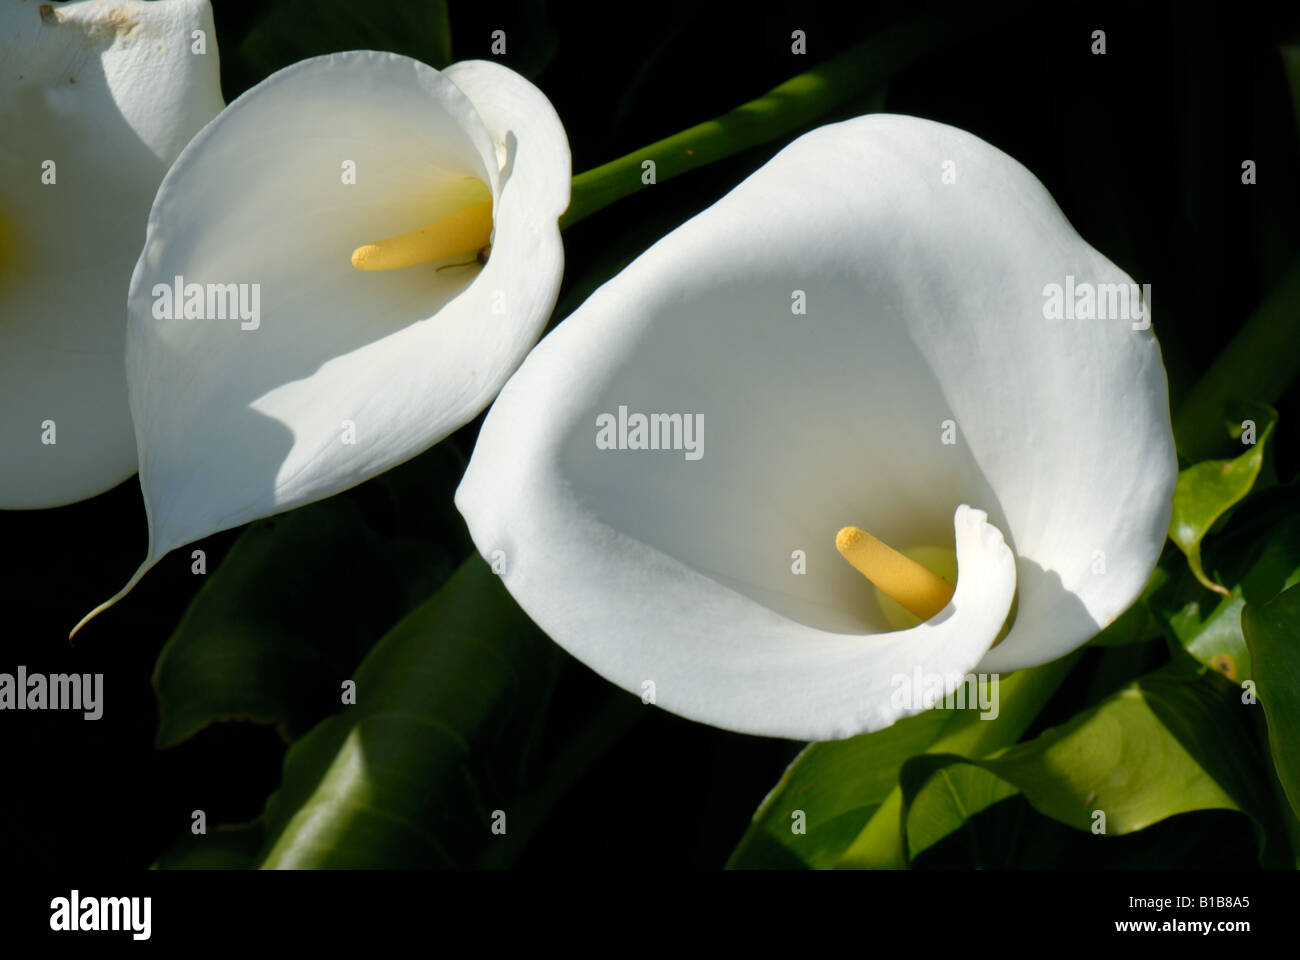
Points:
(111, 601)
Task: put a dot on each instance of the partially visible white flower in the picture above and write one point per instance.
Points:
(271, 360)
(855, 337)
(96, 100)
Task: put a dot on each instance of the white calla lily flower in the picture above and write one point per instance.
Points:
(861, 326)
(96, 100)
(340, 270)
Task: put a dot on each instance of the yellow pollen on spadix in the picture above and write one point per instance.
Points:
(462, 234)
(912, 586)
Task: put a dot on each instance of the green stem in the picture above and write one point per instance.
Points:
(782, 110)
(1259, 364)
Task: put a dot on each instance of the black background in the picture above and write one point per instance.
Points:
(1142, 148)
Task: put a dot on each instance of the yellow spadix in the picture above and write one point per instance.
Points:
(900, 578)
(462, 234)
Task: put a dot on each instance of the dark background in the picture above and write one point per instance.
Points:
(1142, 149)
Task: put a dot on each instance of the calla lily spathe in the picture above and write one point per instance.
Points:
(324, 375)
(924, 323)
(96, 100)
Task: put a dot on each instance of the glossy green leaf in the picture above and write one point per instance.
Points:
(836, 786)
(1259, 556)
(1163, 746)
(301, 597)
(951, 797)
(848, 791)
(1260, 549)
(1273, 635)
(1219, 643)
(1206, 491)
(286, 616)
(1208, 629)
(413, 774)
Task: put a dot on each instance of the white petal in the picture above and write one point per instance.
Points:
(650, 623)
(110, 93)
(924, 305)
(235, 424)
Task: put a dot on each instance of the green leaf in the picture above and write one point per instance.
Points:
(1259, 555)
(446, 713)
(301, 597)
(848, 789)
(837, 786)
(1291, 65)
(287, 615)
(951, 797)
(1206, 491)
(221, 848)
(1208, 717)
(1162, 746)
(1012, 835)
(1219, 644)
(1209, 631)
(294, 30)
(1273, 635)
(1260, 550)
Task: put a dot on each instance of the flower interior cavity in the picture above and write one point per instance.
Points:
(467, 232)
(897, 577)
